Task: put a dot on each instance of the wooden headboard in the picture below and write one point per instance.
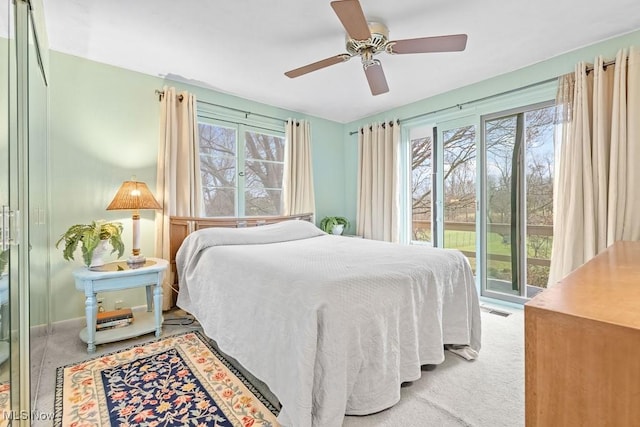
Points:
(181, 226)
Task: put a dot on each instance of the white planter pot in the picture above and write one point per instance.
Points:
(337, 229)
(99, 254)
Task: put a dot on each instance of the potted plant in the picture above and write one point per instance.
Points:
(334, 224)
(94, 238)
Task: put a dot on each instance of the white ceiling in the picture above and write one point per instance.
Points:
(243, 47)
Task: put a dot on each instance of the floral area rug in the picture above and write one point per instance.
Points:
(175, 381)
(5, 403)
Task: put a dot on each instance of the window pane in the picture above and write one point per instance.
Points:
(459, 171)
(217, 140)
(260, 202)
(264, 168)
(539, 174)
(218, 171)
(263, 174)
(218, 150)
(500, 139)
(264, 147)
(421, 170)
(219, 201)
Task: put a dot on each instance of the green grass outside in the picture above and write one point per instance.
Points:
(466, 241)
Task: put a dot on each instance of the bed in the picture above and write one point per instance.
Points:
(333, 325)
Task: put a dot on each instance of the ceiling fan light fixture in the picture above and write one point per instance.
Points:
(376, 43)
(368, 38)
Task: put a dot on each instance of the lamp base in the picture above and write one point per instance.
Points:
(136, 261)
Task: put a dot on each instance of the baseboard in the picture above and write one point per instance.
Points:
(68, 324)
(38, 331)
(500, 303)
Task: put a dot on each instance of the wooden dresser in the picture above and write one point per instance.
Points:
(582, 345)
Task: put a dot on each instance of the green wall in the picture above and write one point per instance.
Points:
(104, 127)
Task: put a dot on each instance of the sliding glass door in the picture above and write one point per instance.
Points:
(517, 201)
(443, 185)
(489, 197)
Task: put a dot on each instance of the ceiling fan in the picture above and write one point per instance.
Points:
(367, 39)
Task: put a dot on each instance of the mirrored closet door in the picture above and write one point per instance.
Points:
(24, 240)
(7, 270)
(37, 193)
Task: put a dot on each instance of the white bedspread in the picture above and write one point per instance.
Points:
(333, 325)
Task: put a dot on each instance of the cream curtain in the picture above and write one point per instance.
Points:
(378, 179)
(297, 192)
(178, 183)
(596, 195)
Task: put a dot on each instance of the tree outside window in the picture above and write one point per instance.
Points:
(241, 170)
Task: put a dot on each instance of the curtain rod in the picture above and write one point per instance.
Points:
(604, 64)
(235, 123)
(590, 68)
(459, 106)
(384, 124)
(160, 94)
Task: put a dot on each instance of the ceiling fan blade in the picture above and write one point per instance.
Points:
(318, 65)
(352, 17)
(375, 77)
(452, 43)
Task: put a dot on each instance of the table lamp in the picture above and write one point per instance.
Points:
(134, 195)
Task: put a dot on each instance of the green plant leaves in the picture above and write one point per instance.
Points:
(328, 222)
(90, 236)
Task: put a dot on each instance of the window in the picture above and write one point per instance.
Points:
(241, 168)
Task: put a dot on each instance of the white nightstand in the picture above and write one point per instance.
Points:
(116, 276)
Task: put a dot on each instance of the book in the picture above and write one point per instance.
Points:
(113, 324)
(108, 316)
(123, 325)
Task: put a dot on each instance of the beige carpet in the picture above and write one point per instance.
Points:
(488, 392)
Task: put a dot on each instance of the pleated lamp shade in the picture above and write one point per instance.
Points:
(133, 195)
